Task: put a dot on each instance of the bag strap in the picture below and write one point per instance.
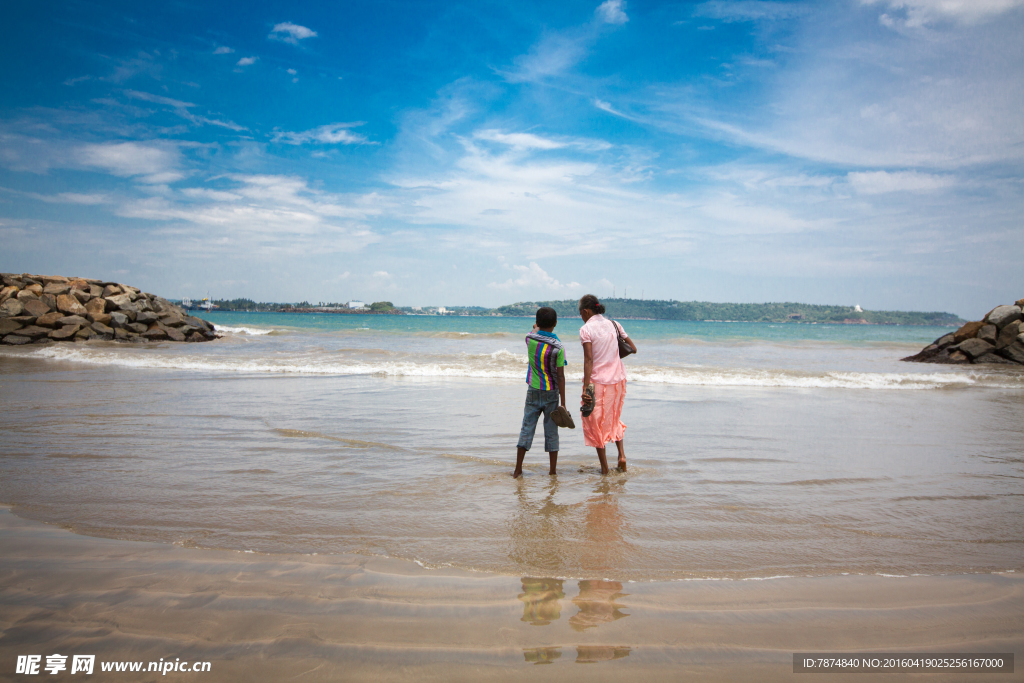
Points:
(617, 328)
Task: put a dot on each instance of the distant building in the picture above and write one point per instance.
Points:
(858, 309)
(441, 310)
(356, 305)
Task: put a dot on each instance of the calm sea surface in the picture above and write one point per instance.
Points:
(755, 450)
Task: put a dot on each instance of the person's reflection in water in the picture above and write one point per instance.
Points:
(536, 531)
(605, 548)
(591, 654)
(597, 605)
(542, 655)
(541, 600)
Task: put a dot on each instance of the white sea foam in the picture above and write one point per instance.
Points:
(253, 331)
(504, 364)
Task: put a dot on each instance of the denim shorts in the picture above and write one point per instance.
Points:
(539, 402)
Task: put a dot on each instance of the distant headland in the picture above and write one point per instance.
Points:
(697, 311)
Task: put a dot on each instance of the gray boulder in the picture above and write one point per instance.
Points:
(975, 348)
(119, 300)
(1008, 334)
(36, 307)
(16, 340)
(7, 326)
(1002, 315)
(988, 333)
(118, 319)
(11, 308)
(33, 332)
(50, 319)
(65, 332)
(1014, 351)
(73, 320)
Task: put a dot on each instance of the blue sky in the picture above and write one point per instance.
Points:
(855, 152)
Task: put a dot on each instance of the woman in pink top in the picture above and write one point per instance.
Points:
(605, 376)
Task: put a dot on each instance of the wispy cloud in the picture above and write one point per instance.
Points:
(223, 50)
(917, 13)
(879, 182)
(246, 61)
(331, 134)
(154, 163)
(288, 32)
(612, 12)
(529, 141)
(748, 10)
(182, 109)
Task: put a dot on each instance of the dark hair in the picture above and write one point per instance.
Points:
(546, 317)
(590, 302)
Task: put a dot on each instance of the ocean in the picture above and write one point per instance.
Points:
(755, 450)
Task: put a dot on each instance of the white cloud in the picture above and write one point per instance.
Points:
(605, 106)
(381, 273)
(533, 276)
(916, 13)
(747, 10)
(158, 99)
(246, 61)
(529, 141)
(128, 159)
(331, 134)
(292, 72)
(290, 33)
(182, 109)
(611, 12)
(266, 213)
(223, 50)
(879, 182)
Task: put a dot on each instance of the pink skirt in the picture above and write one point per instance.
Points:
(603, 425)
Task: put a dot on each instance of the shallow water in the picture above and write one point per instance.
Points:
(755, 450)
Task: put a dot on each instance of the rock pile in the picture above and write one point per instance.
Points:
(46, 308)
(997, 338)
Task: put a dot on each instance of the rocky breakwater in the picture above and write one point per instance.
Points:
(997, 338)
(39, 309)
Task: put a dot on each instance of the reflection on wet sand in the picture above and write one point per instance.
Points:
(596, 602)
(542, 655)
(585, 654)
(597, 605)
(592, 654)
(605, 545)
(541, 600)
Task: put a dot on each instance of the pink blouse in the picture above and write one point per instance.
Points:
(601, 333)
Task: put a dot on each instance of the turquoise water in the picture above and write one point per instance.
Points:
(755, 450)
(638, 329)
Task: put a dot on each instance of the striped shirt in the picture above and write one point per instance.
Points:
(546, 355)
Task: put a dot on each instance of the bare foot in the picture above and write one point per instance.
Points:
(517, 473)
(622, 464)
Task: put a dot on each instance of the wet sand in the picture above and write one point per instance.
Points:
(347, 617)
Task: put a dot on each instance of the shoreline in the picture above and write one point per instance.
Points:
(358, 618)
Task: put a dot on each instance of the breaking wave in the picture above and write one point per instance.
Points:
(504, 364)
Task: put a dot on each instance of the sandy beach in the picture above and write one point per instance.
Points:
(271, 618)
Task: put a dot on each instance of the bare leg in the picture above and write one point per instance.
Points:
(622, 456)
(520, 455)
(553, 457)
(604, 460)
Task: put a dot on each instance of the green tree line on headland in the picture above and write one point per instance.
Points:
(768, 312)
(654, 310)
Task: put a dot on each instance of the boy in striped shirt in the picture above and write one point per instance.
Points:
(546, 395)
